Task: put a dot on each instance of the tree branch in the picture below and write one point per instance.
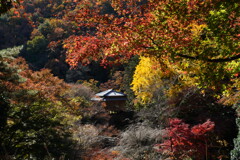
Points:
(211, 60)
(217, 60)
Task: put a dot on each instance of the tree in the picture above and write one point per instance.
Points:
(146, 79)
(8, 77)
(180, 24)
(5, 5)
(14, 30)
(129, 70)
(35, 116)
(184, 141)
(198, 38)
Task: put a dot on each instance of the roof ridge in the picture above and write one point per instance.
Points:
(104, 92)
(109, 92)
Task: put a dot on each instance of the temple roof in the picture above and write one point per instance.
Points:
(110, 93)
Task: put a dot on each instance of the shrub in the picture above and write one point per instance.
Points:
(79, 90)
(138, 140)
(86, 136)
(235, 153)
(104, 155)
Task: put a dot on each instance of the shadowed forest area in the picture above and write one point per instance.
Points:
(176, 61)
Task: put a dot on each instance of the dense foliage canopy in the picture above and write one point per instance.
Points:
(34, 114)
(199, 40)
(176, 60)
(5, 5)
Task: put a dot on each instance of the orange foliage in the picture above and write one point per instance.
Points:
(43, 83)
(103, 155)
(158, 28)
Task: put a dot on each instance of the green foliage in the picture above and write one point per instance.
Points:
(35, 123)
(129, 70)
(45, 28)
(56, 29)
(10, 75)
(36, 130)
(36, 51)
(38, 44)
(11, 52)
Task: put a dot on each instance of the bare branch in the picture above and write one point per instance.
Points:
(211, 60)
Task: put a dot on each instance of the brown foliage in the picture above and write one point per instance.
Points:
(42, 82)
(116, 82)
(103, 155)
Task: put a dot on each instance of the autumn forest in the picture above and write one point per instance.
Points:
(175, 62)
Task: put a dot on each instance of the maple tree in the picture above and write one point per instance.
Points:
(198, 39)
(182, 45)
(179, 28)
(184, 141)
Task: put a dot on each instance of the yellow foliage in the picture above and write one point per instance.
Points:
(151, 74)
(146, 79)
(196, 29)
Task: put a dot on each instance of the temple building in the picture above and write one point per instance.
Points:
(111, 100)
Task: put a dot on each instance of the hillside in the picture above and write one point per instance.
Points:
(177, 62)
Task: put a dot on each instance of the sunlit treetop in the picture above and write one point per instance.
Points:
(195, 30)
(198, 38)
